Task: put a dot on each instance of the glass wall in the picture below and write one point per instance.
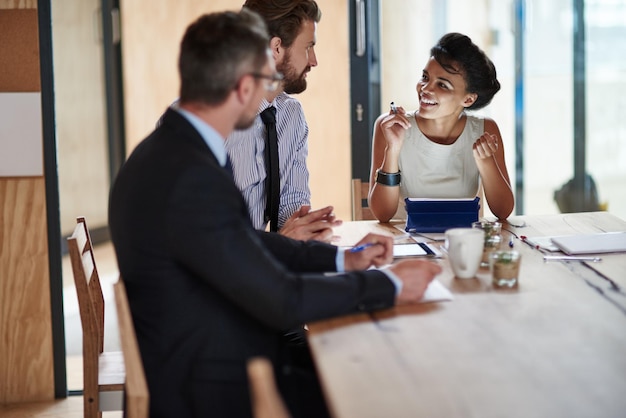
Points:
(605, 25)
(410, 28)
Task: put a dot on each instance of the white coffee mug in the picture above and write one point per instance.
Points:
(465, 250)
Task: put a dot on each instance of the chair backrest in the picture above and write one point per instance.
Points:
(360, 211)
(265, 397)
(137, 398)
(90, 302)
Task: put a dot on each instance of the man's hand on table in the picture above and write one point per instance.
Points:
(306, 224)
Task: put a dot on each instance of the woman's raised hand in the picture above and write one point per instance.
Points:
(394, 125)
(485, 146)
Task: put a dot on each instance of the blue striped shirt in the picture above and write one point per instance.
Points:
(246, 149)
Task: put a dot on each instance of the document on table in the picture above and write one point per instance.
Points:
(419, 249)
(436, 292)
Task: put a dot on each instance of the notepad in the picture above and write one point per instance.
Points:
(419, 249)
(605, 242)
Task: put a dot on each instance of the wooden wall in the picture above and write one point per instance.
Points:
(151, 83)
(26, 369)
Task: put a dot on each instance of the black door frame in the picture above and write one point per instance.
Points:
(117, 155)
(364, 82)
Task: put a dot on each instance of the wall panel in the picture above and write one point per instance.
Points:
(26, 368)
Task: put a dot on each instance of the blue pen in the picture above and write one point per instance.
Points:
(370, 244)
(361, 247)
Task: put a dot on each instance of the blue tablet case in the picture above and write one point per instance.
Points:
(437, 215)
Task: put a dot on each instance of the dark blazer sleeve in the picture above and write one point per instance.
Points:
(309, 256)
(273, 278)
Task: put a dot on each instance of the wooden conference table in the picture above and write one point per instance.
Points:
(553, 347)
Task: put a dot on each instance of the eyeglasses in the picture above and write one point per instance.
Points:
(274, 80)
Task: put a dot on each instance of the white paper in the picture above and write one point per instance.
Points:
(408, 250)
(414, 250)
(436, 292)
(21, 137)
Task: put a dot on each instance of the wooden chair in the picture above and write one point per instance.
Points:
(136, 397)
(360, 212)
(103, 372)
(266, 400)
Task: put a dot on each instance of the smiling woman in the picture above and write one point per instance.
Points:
(574, 128)
(441, 151)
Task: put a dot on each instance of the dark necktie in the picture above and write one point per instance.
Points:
(228, 166)
(272, 176)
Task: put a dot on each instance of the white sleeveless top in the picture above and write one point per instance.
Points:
(431, 170)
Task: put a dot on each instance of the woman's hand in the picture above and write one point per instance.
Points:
(486, 146)
(393, 127)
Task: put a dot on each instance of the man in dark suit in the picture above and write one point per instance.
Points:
(207, 291)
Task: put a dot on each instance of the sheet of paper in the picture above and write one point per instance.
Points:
(436, 292)
(421, 249)
(408, 250)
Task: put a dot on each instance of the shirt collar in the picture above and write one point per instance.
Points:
(212, 138)
(265, 104)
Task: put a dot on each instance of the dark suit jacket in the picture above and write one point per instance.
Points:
(206, 290)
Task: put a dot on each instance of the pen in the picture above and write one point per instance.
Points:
(361, 247)
(525, 240)
(394, 109)
(570, 258)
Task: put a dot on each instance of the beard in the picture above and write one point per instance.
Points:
(293, 83)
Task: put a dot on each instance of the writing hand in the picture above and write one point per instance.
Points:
(373, 250)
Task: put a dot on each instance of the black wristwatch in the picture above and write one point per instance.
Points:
(388, 179)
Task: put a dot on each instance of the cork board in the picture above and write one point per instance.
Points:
(21, 138)
(19, 51)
